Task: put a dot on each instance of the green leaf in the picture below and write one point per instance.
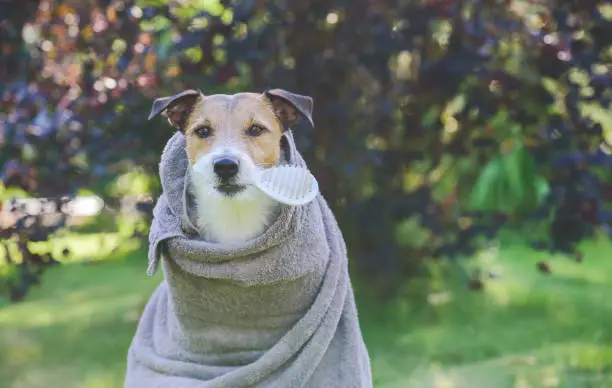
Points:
(410, 233)
(431, 117)
(513, 166)
(542, 188)
(500, 120)
(509, 184)
(486, 190)
(597, 113)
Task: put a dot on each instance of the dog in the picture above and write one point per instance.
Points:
(230, 138)
(265, 299)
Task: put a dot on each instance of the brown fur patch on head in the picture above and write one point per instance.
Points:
(285, 112)
(290, 106)
(228, 120)
(178, 113)
(176, 108)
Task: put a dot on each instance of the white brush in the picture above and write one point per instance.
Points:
(291, 185)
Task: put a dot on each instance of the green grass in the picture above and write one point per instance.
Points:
(74, 330)
(526, 330)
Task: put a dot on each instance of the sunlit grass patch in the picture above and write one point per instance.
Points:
(526, 329)
(78, 323)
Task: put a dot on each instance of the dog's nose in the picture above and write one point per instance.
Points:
(226, 167)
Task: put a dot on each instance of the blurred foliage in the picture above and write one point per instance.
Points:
(437, 120)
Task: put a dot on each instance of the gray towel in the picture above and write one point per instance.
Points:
(278, 311)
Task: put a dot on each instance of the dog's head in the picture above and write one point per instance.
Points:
(229, 137)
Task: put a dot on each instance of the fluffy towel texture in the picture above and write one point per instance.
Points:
(278, 311)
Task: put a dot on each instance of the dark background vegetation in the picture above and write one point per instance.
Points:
(438, 123)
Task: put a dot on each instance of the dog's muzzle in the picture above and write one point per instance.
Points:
(225, 173)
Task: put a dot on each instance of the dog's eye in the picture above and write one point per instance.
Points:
(255, 130)
(202, 132)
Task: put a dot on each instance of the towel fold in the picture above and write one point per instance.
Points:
(277, 311)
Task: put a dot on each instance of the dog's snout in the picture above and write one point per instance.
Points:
(226, 167)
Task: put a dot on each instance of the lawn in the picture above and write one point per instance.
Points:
(527, 329)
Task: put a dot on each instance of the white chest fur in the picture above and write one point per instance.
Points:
(231, 220)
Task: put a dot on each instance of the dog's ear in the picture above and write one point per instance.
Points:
(289, 106)
(176, 108)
